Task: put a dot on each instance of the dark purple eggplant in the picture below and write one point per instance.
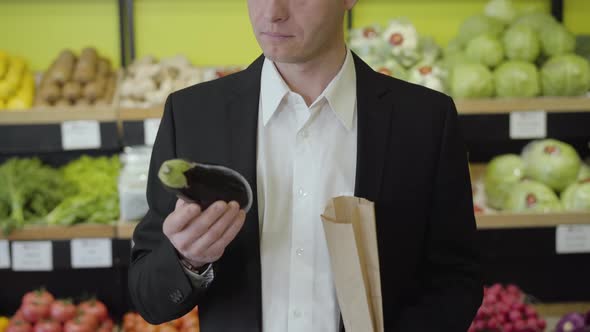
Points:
(205, 184)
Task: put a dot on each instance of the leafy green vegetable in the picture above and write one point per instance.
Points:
(536, 21)
(522, 43)
(502, 173)
(554, 163)
(95, 198)
(502, 10)
(478, 25)
(485, 49)
(517, 79)
(557, 40)
(576, 197)
(28, 191)
(531, 196)
(565, 75)
(471, 81)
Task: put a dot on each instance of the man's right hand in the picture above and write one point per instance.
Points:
(202, 236)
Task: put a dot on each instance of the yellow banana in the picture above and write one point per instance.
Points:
(13, 78)
(3, 64)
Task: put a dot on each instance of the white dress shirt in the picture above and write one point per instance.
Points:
(306, 155)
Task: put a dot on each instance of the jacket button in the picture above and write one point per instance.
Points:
(176, 296)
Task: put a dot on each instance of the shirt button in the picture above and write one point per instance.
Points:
(302, 192)
(299, 251)
(297, 314)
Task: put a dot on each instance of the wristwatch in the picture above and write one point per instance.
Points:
(198, 270)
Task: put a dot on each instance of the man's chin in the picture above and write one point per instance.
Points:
(282, 58)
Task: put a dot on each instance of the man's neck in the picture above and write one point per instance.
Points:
(311, 78)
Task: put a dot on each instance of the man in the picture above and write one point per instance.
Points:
(306, 122)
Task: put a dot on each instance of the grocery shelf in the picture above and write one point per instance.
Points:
(124, 229)
(530, 220)
(44, 232)
(137, 114)
(560, 309)
(548, 104)
(46, 115)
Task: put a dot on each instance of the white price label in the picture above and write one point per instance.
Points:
(4, 255)
(32, 256)
(79, 135)
(572, 239)
(150, 130)
(91, 253)
(527, 125)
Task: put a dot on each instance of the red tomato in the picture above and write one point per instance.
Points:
(48, 326)
(39, 296)
(62, 310)
(19, 325)
(77, 325)
(34, 311)
(95, 308)
(87, 319)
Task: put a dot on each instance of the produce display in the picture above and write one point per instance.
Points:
(87, 79)
(41, 312)
(147, 82)
(548, 177)
(574, 322)
(504, 310)
(17, 84)
(506, 53)
(85, 190)
(133, 322)
(397, 50)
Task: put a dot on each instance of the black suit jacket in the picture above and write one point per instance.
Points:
(411, 162)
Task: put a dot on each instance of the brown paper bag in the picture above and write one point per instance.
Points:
(349, 226)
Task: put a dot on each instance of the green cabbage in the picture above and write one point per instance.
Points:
(485, 49)
(521, 43)
(584, 172)
(453, 47)
(565, 75)
(531, 196)
(502, 10)
(517, 79)
(502, 173)
(576, 197)
(479, 25)
(471, 81)
(557, 40)
(552, 162)
(536, 21)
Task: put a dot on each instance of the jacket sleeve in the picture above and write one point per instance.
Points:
(159, 287)
(452, 287)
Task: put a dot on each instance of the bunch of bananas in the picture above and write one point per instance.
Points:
(17, 84)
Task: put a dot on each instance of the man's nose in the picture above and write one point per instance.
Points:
(277, 10)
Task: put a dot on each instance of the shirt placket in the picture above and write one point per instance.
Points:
(302, 255)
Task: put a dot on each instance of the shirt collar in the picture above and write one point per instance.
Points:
(340, 92)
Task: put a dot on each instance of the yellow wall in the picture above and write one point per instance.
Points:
(209, 32)
(40, 29)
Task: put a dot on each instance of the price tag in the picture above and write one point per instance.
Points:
(526, 125)
(4, 255)
(91, 253)
(572, 239)
(79, 135)
(150, 130)
(32, 256)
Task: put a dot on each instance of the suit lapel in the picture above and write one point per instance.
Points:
(374, 109)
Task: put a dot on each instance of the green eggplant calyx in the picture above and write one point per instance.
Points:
(172, 173)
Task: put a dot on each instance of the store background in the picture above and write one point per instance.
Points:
(218, 33)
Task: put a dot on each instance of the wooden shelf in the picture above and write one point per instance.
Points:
(42, 232)
(136, 114)
(124, 229)
(529, 220)
(561, 309)
(548, 104)
(58, 115)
